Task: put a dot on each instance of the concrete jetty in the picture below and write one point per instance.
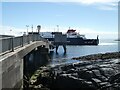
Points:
(12, 53)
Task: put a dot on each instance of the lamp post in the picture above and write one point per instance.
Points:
(32, 29)
(38, 28)
(32, 33)
(57, 28)
(27, 28)
(11, 32)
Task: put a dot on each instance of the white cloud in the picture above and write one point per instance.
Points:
(106, 8)
(81, 1)
(100, 4)
(59, 15)
(95, 1)
(8, 30)
(90, 33)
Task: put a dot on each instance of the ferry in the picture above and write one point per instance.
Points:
(73, 38)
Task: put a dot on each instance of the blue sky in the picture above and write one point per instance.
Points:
(86, 17)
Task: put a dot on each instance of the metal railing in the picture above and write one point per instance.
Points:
(11, 43)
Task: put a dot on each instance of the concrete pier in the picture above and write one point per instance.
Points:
(12, 63)
(35, 59)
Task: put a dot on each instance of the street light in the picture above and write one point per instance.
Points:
(27, 28)
(38, 28)
(10, 31)
(57, 28)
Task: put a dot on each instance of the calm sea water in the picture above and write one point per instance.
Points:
(104, 46)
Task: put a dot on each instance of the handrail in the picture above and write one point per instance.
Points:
(9, 44)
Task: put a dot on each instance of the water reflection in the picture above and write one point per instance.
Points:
(60, 58)
(60, 55)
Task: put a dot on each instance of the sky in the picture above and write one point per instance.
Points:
(89, 17)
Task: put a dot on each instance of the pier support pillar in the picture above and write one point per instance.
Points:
(57, 48)
(60, 39)
(64, 47)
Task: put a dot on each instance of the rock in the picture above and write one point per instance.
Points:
(85, 75)
(99, 56)
(115, 78)
(96, 82)
(64, 82)
(108, 71)
(71, 71)
(96, 73)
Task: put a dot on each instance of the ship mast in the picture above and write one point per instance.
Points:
(27, 28)
(57, 28)
(69, 28)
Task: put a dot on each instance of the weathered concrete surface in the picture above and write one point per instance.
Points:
(0, 66)
(11, 73)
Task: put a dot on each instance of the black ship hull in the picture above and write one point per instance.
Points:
(78, 41)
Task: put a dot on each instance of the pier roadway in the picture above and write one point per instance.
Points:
(12, 63)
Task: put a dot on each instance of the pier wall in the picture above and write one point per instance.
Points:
(33, 60)
(12, 64)
(12, 72)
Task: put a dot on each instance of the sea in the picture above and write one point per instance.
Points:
(105, 45)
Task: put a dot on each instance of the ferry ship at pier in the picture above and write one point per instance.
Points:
(73, 38)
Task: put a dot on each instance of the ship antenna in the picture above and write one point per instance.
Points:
(27, 28)
(57, 28)
(69, 28)
(32, 28)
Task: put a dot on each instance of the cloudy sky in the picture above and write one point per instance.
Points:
(90, 17)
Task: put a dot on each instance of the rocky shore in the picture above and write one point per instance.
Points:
(89, 74)
(101, 56)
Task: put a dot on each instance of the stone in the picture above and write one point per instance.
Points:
(115, 78)
(96, 73)
(85, 75)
